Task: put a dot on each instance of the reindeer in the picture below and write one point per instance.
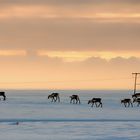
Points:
(137, 100)
(3, 95)
(54, 97)
(135, 96)
(127, 102)
(75, 99)
(95, 101)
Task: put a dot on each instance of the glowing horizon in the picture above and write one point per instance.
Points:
(70, 56)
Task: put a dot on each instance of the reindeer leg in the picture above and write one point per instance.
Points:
(95, 104)
(125, 104)
(4, 98)
(131, 104)
(138, 104)
(55, 99)
(79, 101)
(73, 101)
(70, 101)
(101, 105)
(98, 104)
(128, 104)
(58, 99)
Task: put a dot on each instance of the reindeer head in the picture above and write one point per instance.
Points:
(49, 96)
(134, 96)
(89, 101)
(122, 101)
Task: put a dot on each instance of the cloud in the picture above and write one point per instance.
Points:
(68, 1)
(46, 12)
(90, 9)
(84, 55)
(67, 35)
(66, 56)
(8, 53)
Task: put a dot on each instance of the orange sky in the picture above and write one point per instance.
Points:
(69, 44)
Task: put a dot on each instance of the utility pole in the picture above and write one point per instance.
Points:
(135, 83)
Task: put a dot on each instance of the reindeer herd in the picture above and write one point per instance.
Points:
(129, 102)
(76, 100)
(97, 102)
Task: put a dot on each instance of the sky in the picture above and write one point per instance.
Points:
(69, 44)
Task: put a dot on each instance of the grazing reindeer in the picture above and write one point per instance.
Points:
(54, 97)
(95, 101)
(135, 96)
(3, 95)
(75, 98)
(137, 100)
(127, 102)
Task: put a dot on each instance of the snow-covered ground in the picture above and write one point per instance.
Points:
(40, 119)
